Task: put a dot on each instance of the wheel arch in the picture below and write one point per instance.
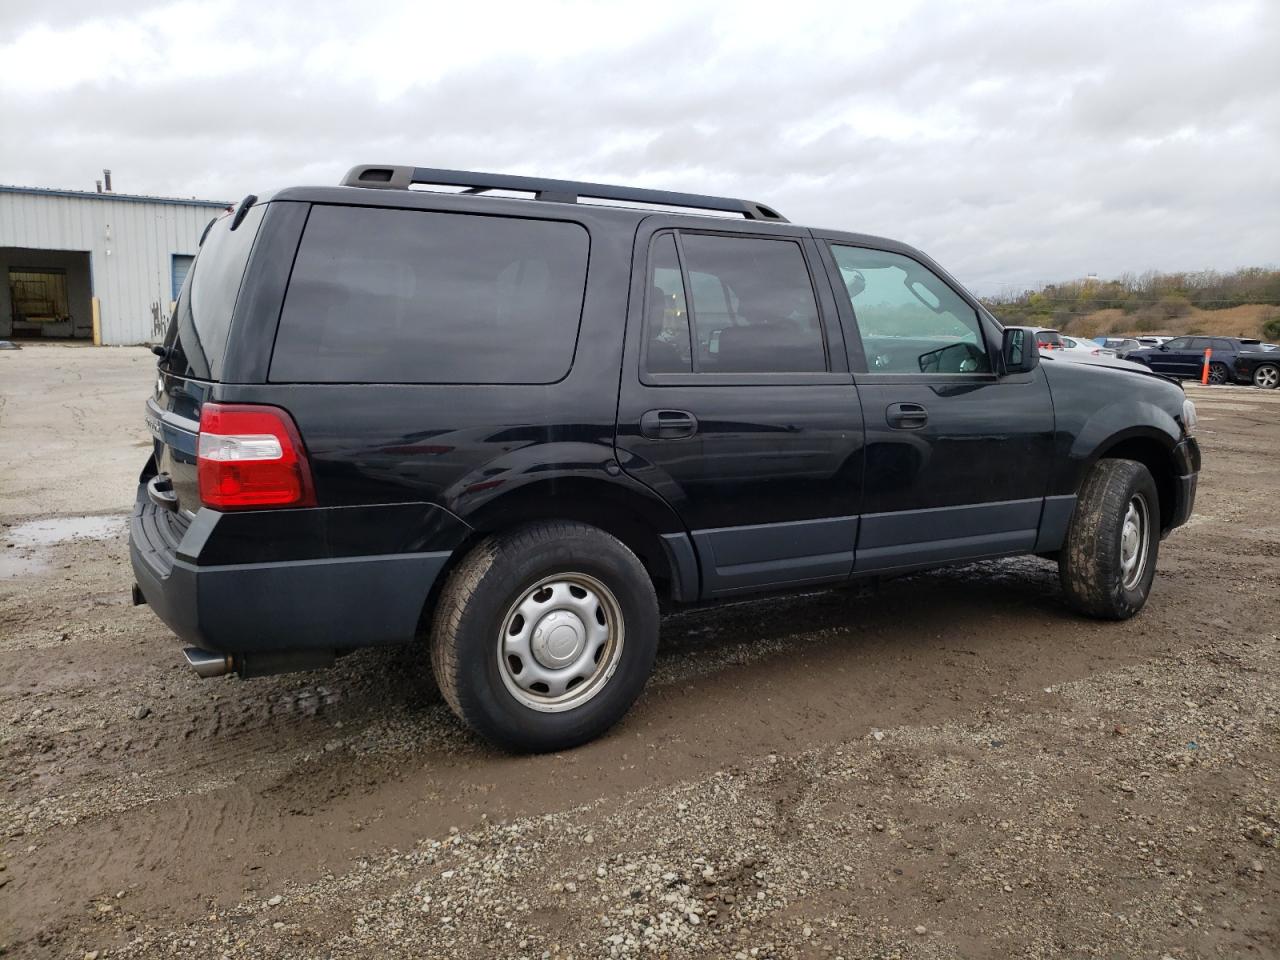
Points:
(1154, 450)
(645, 524)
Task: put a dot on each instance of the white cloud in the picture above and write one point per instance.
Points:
(1015, 142)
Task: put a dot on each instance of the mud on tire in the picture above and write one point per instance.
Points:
(495, 589)
(1091, 564)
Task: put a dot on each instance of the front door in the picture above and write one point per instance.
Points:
(1180, 357)
(957, 456)
(737, 405)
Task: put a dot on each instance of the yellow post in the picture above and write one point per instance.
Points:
(96, 305)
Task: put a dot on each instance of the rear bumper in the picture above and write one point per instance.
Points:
(330, 603)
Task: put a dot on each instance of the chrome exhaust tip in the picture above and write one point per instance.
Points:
(206, 663)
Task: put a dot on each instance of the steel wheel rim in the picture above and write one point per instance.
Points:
(1217, 373)
(1266, 377)
(560, 642)
(1133, 541)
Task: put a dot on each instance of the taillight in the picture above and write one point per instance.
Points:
(251, 456)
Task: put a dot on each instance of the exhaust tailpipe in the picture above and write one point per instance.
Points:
(206, 663)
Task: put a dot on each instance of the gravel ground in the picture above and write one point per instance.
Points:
(952, 766)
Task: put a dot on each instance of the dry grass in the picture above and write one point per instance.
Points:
(1242, 321)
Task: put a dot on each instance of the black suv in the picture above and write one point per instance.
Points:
(513, 427)
(1184, 357)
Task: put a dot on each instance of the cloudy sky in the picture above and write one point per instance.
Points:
(1018, 143)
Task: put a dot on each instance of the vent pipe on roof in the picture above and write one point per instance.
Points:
(106, 180)
(98, 184)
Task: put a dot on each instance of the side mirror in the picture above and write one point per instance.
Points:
(1020, 352)
(1164, 346)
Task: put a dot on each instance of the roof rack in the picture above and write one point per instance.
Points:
(559, 191)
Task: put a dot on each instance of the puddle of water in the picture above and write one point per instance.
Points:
(46, 533)
(13, 566)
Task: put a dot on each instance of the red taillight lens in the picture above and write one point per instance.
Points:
(251, 456)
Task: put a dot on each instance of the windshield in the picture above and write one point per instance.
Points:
(197, 337)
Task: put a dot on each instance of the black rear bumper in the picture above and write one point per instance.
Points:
(332, 603)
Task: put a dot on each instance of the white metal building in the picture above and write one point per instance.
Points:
(104, 265)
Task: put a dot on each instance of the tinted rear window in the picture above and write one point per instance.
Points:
(197, 338)
(409, 296)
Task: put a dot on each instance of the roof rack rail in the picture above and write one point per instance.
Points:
(559, 191)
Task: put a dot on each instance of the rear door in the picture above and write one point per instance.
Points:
(957, 456)
(736, 403)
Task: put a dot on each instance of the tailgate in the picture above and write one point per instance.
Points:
(173, 417)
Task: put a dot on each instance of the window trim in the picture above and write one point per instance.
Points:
(696, 378)
(853, 343)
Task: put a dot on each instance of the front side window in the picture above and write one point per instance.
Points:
(1179, 343)
(414, 296)
(909, 320)
(754, 309)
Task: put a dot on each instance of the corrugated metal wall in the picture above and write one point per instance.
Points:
(130, 244)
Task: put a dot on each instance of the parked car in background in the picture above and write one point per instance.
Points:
(1048, 339)
(1258, 364)
(1074, 349)
(1121, 346)
(1185, 356)
(1152, 341)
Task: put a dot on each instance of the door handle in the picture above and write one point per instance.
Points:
(668, 424)
(906, 416)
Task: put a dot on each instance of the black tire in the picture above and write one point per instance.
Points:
(1219, 374)
(1266, 376)
(1091, 562)
(473, 608)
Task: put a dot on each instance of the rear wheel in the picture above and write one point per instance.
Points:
(1218, 373)
(1267, 376)
(544, 637)
(1108, 562)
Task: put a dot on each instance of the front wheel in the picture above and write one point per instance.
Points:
(1267, 376)
(1108, 562)
(1218, 373)
(543, 637)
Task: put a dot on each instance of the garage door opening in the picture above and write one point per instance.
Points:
(45, 294)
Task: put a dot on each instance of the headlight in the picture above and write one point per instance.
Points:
(1189, 418)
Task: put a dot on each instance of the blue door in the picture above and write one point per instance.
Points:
(181, 264)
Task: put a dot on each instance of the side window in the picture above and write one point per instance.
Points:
(414, 296)
(753, 306)
(1224, 346)
(1200, 343)
(1179, 343)
(667, 347)
(909, 320)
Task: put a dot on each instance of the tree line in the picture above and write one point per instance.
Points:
(1152, 299)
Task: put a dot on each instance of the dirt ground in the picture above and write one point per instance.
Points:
(955, 766)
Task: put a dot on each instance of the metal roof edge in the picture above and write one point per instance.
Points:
(127, 197)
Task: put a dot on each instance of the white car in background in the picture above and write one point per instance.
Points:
(1073, 349)
(1152, 341)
